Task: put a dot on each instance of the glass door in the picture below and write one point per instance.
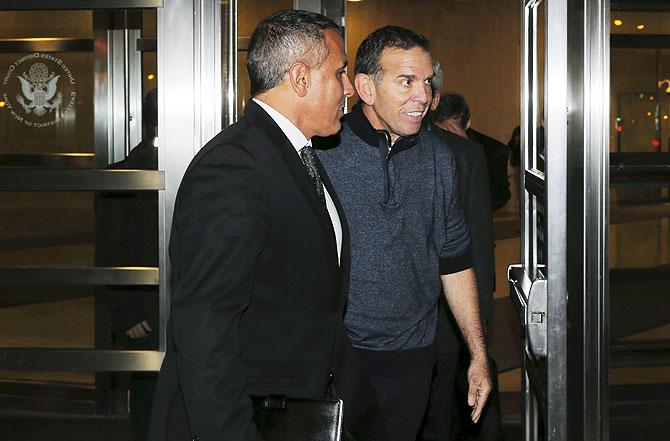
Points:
(639, 124)
(79, 249)
(83, 166)
(560, 287)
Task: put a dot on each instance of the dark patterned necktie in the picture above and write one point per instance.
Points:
(309, 160)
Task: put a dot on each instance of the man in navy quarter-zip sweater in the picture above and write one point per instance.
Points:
(409, 241)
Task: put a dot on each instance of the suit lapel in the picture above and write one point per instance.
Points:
(299, 172)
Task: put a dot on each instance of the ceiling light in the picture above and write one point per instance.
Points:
(640, 27)
(617, 22)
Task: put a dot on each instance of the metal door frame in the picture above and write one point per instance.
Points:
(567, 390)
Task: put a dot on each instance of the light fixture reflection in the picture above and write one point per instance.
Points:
(640, 27)
(2, 104)
(150, 77)
(617, 22)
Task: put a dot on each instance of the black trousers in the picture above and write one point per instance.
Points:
(448, 414)
(401, 381)
(437, 421)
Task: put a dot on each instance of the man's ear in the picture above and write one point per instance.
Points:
(435, 102)
(365, 86)
(298, 77)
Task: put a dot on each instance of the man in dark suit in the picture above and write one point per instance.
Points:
(260, 252)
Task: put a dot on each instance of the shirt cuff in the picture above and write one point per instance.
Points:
(450, 265)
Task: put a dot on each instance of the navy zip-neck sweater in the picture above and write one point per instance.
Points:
(406, 225)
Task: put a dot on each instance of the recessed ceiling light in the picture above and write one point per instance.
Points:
(617, 22)
(640, 27)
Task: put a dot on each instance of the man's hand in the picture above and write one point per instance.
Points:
(460, 290)
(140, 330)
(480, 386)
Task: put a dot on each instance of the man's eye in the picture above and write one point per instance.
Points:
(406, 82)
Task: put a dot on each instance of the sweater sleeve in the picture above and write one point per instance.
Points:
(455, 254)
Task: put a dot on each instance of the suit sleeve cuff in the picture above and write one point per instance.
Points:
(450, 265)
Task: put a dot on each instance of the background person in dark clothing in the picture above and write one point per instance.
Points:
(448, 114)
(127, 235)
(458, 122)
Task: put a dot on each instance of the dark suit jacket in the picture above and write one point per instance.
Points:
(474, 194)
(257, 292)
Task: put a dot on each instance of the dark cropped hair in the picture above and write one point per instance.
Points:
(369, 53)
(452, 105)
(281, 39)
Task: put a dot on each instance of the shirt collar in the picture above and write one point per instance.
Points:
(293, 133)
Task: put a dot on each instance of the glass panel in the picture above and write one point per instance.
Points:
(537, 160)
(46, 229)
(639, 229)
(79, 230)
(249, 14)
(47, 93)
(47, 73)
(62, 406)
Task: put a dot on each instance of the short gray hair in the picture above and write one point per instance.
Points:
(281, 39)
(436, 82)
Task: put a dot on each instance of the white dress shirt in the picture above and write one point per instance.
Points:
(299, 141)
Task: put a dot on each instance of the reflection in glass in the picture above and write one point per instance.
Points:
(50, 82)
(639, 252)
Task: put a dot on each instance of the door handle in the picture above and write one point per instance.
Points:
(530, 299)
(536, 318)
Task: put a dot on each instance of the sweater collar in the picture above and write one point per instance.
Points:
(362, 128)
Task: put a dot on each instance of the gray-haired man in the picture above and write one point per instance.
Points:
(398, 186)
(260, 252)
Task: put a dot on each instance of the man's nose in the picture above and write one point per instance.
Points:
(348, 87)
(423, 93)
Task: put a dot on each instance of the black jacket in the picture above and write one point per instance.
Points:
(257, 292)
